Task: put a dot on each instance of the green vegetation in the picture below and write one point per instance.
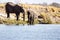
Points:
(10, 21)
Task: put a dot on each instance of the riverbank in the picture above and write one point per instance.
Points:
(48, 14)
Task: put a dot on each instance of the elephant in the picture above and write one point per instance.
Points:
(14, 8)
(30, 17)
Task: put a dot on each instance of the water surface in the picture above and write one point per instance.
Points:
(30, 32)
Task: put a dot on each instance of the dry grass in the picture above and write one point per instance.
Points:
(48, 15)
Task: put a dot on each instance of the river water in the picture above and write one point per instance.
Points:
(30, 32)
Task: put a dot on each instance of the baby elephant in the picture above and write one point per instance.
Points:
(30, 17)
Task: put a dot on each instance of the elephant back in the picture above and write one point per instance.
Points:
(10, 3)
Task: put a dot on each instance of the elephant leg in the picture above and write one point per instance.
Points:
(17, 16)
(23, 16)
(30, 20)
(8, 15)
(33, 20)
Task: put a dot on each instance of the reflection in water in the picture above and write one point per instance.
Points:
(29, 32)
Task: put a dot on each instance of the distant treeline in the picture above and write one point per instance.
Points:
(52, 4)
(55, 4)
(44, 4)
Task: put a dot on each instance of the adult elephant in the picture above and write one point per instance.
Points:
(14, 8)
